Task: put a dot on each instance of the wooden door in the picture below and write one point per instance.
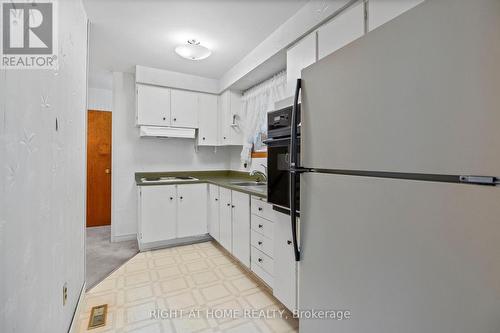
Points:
(98, 168)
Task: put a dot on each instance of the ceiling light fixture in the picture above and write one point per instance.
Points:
(193, 50)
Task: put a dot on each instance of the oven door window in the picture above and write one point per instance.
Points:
(279, 177)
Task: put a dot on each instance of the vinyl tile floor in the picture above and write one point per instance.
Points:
(193, 288)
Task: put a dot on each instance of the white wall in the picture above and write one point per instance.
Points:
(308, 17)
(236, 165)
(165, 78)
(42, 185)
(134, 154)
(100, 99)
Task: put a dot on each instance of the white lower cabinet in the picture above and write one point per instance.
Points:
(214, 212)
(285, 266)
(171, 212)
(272, 256)
(225, 225)
(192, 210)
(157, 213)
(241, 227)
(234, 224)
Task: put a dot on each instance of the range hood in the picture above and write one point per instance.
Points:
(167, 132)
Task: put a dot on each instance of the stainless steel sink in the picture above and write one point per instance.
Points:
(249, 184)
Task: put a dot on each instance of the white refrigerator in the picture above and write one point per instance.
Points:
(392, 226)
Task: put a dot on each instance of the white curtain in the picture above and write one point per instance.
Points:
(257, 101)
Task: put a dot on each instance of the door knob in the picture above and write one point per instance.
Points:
(107, 171)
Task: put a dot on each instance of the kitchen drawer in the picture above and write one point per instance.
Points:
(262, 226)
(261, 259)
(262, 243)
(263, 209)
(265, 276)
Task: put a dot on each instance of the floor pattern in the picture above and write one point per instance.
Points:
(213, 292)
(103, 256)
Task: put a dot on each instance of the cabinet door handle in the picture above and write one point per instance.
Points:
(175, 119)
(171, 198)
(260, 243)
(216, 199)
(164, 118)
(289, 242)
(228, 204)
(260, 225)
(232, 206)
(260, 209)
(260, 260)
(181, 198)
(203, 138)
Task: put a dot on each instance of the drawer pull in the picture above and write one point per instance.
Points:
(260, 260)
(260, 209)
(216, 199)
(260, 225)
(260, 243)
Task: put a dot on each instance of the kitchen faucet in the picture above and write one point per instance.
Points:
(261, 176)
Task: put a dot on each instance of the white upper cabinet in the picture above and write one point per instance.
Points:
(382, 11)
(241, 227)
(192, 210)
(158, 213)
(153, 105)
(208, 120)
(299, 57)
(342, 30)
(231, 119)
(184, 108)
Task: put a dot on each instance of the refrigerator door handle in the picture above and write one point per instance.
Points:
(294, 167)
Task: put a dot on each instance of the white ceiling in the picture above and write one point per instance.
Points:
(126, 33)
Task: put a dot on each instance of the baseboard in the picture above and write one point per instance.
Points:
(122, 238)
(73, 328)
(174, 242)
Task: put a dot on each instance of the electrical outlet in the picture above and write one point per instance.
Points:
(65, 293)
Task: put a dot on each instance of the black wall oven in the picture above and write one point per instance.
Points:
(278, 159)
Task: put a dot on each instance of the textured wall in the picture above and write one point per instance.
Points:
(42, 185)
(132, 154)
(100, 99)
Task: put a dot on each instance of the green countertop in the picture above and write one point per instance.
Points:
(223, 178)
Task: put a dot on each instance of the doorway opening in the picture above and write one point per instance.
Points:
(102, 255)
